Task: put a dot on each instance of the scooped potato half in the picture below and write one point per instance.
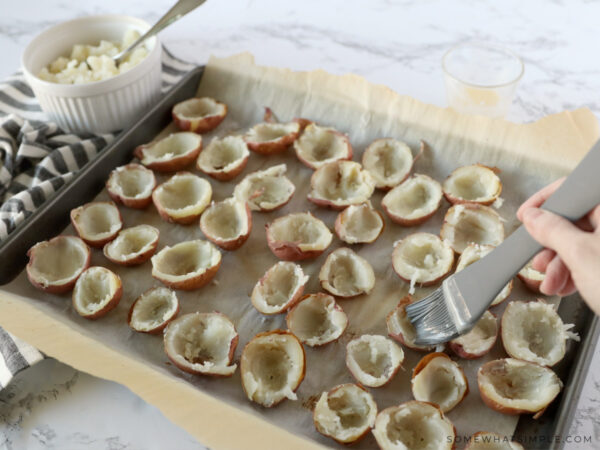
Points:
(414, 201)
(389, 162)
(533, 331)
(472, 224)
(479, 340)
(97, 222)
(359, 224)
(279, 289)
(339, 184)
(171, 153)
(265, 190)
(153, 310)
(182, 198)
(202, 344)
(486, 440)
(422, 259)
(531, 278)
(199, 114)
(224, 159)
(269, 138)
(473, 253)
(511, 386)
(97, 291)
(187, 265)
(414, 425)
(345, 274)
(401, 329)
(473, 184)
(298, 236)
(345, 414)
(227, 224)
(373, 360)
(439, 380)
(317, 320)
(318, 146)
(272, 367)
(55, 265)
(131, 185)
(132, 246)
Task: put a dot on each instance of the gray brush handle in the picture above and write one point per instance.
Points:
(576, 196)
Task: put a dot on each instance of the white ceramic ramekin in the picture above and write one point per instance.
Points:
(102, 106)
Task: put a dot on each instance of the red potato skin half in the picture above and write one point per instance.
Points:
(410, 222)
(134, 203)
(338, 227)
(348, 157)
(192, 283)
(289, 251)
(229, 175)
(200, 126)
(358, 438)
(407, 300)
(232, 244)
(232, 346)
(173, 164)
(185, 220)
(408, 174)
(139, 259)
(427, 359)
(272, 147)
(441, 415)
(381, 385)
(458, 201)
(532, 285)
(462, 353)
(290, 304)
(336, 307)
(112, 304)
(507, 409)
(302, 375)
(95, 243)
(56, 289)
(157, 330)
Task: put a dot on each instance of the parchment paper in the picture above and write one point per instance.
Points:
(529, 156)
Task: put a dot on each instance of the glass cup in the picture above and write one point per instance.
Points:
(481, 78)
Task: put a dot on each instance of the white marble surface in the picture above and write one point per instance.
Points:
(397, 43)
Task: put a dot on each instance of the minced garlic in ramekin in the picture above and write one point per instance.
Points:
(100, 65)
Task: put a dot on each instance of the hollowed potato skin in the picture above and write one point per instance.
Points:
(199, 126)
(232, 346)
(158, 329)
(301, 378)
(56, 289)
(195, 282)
(135, 203)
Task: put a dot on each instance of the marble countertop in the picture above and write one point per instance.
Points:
(398, 43)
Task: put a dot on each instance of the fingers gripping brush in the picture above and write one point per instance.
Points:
(457, 305)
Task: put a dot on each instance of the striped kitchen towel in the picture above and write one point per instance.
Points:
(36, 159)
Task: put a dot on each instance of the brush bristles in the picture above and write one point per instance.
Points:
(431, 319)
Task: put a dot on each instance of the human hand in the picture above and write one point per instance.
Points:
(571, 259)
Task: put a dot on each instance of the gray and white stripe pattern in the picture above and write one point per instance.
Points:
(36, 159)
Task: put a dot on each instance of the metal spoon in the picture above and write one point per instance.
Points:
(179, 9)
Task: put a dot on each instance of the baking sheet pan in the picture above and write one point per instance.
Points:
(92, 178)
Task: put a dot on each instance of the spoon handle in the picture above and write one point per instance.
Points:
(179, 9)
